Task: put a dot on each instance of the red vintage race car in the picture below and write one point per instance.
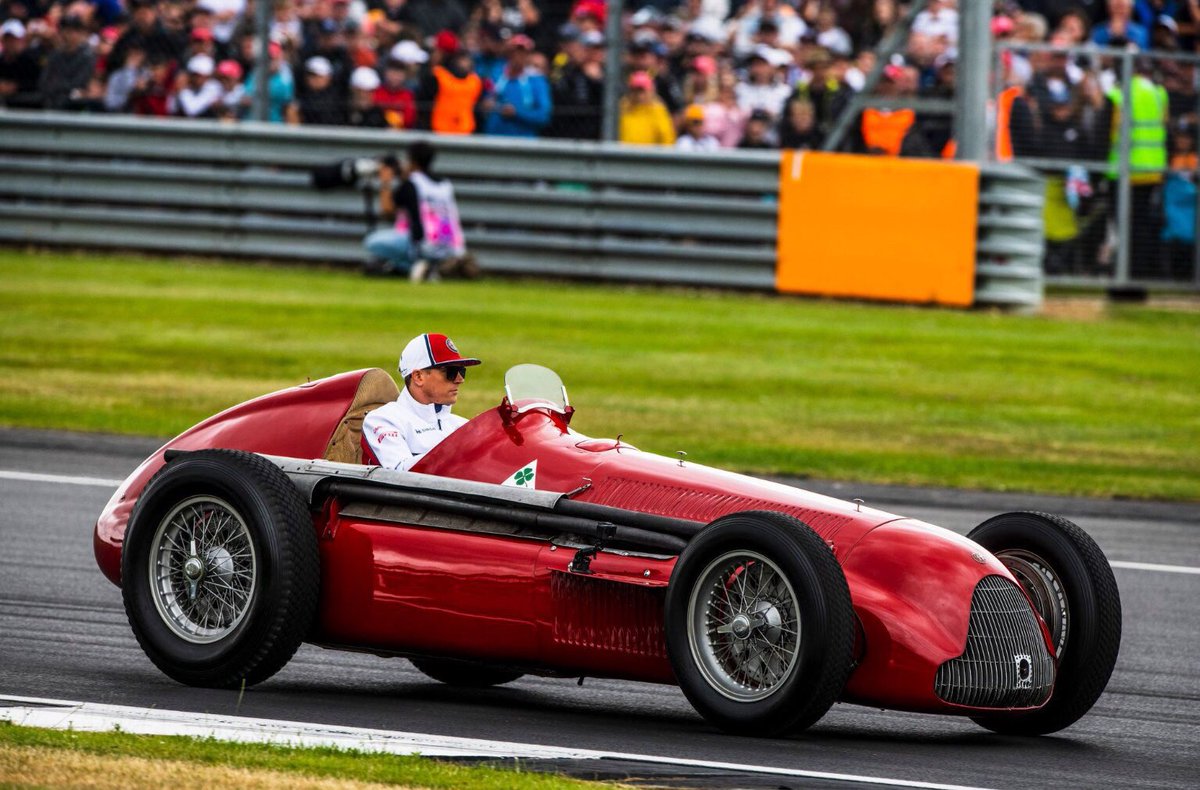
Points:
(518, 545)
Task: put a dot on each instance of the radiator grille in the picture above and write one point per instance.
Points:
(1006, 663)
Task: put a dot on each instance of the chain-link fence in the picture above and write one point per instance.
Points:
(1114, 132)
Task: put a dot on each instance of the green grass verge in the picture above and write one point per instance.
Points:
(1105, 405)
(410, 771)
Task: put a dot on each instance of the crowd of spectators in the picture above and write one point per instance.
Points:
(700, 74)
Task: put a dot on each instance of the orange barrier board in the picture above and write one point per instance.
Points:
(875, 227)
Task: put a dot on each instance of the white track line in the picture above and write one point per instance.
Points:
(92, 717)
(71, 480)
(34, 477)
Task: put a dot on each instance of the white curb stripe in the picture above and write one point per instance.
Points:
(71, 480)
(92, 717)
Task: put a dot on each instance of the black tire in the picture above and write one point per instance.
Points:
(234, 520)
(1076, 594)
(464, 674)
(796, 580)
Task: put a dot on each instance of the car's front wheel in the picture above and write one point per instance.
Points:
(220, 569)
(760, 629)
(1072, 587)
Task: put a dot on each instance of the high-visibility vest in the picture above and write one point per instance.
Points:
(1004, 105)
(454, 107)
(1148, 132)
(884, 130)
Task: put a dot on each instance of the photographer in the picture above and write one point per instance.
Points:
(427, 232)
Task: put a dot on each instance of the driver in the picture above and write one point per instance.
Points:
(401, 432)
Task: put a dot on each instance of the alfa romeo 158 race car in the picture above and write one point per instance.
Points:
(518, 545)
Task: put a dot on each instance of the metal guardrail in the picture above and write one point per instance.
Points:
(587, 210)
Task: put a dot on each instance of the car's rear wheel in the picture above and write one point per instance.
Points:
(220, 569)
(1072, 587)
(760, 629)
(464, 673)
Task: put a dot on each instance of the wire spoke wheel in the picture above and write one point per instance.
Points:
(1045, 590)
(203, 569)
(745, 626)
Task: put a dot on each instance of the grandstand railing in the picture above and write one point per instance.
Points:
(555, 208)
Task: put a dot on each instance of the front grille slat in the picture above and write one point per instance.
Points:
(1006, 663)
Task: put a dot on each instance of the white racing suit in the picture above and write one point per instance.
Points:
(401, 432)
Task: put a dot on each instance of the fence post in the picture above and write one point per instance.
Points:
(971, 94)
(612, 71)
(1124, 192)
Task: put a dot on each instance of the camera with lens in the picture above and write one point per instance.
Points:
(356, 173)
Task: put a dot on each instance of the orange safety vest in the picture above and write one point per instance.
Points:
(454, 107)
(884, 130)
(1004, 105)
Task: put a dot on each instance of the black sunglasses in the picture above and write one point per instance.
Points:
(452, 372)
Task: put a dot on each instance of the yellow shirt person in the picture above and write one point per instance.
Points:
(644, 118)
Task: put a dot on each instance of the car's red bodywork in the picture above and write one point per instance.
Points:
(403, 589)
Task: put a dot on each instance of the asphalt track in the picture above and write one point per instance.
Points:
(63, 635)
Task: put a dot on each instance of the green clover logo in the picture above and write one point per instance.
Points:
(523, 477)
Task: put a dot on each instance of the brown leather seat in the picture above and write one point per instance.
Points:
(375, 388)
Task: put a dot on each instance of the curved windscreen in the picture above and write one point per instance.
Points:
(533, 386)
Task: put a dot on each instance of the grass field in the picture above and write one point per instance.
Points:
(34, 757)
(1104, 404)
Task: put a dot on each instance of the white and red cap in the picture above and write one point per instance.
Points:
(430, 350)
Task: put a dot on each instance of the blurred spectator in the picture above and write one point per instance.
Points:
(490, 60)
(234, 100)
(394, 96)
(647, 53)
(19, 68)
(758, 131)
(126, 79)
(69, 67)
(823, 90)
(578, 94)
(196, 92)
(1147, 158)
(147, 33)
(724, 117)
(892, 132)
(700, 84)
(281, 86)
(763, 89)
(830, 35)
(454, 91)
(432, 16)
(779, 19)
(798, 130)
(644, 117)
(225, 17)
(939, 20)
(1120, 26)
(518, 16)
(694, 137)
(520, 105)
(363, 113)
(1179, 203)
(321, 101)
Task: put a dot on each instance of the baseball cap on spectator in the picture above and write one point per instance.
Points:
(318, 65)
(643, 41)
(569, 31)
(761, 52)
(364, 78)
(761, 115)
(592, 38)
(229, 68)
(694, 112)
(893, 72)
(780, 57)
(202, 34)
(641, 80)
(947, 58)
(648, 15)
(704, 65)
(274, 49)
(408, 52)
(1002, 25)
(14, 28)
(446, 42)
(201, 65)
(596, 9)
(1167, 21)
(521, 41)
(110, 33)
(768, 25)
(707, 28)
(430, 350)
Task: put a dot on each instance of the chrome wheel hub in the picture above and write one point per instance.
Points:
(1040, 582)
(744, 626)
(203, 569)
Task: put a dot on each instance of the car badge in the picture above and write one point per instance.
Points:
(978, 557)
(1024, 665)
(525, 477)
